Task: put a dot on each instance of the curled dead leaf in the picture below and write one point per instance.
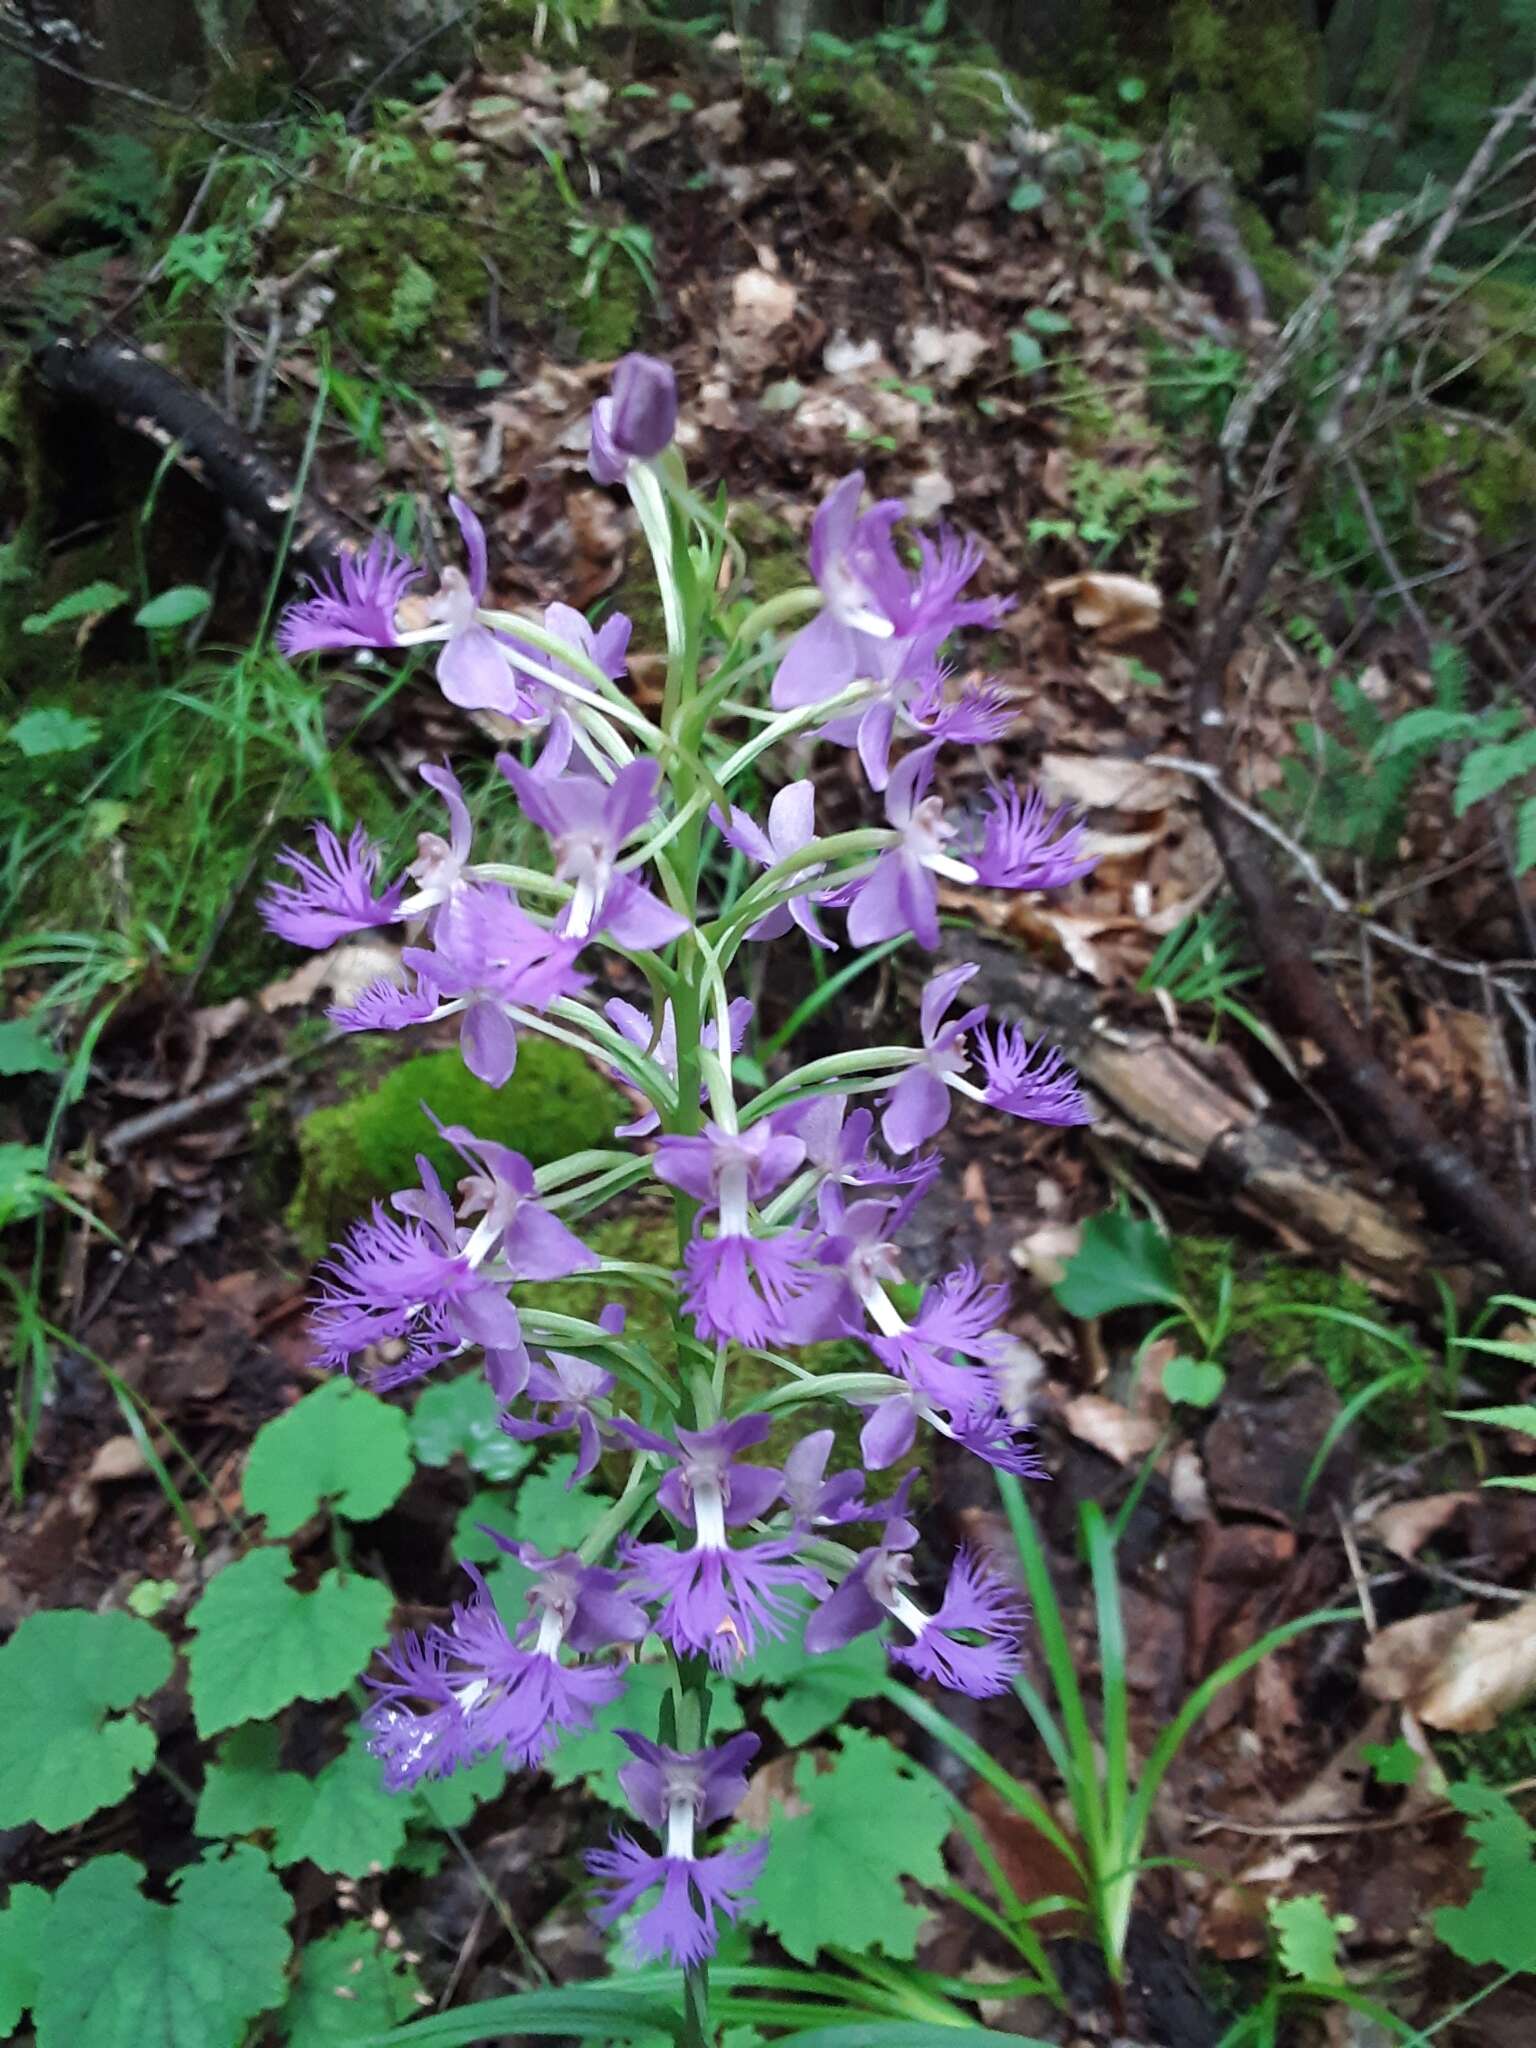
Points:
(120, 1457)
(1454, 1672)
(1406, 1526)
(1109, 1428)
(1105, 782)
(1116, 607)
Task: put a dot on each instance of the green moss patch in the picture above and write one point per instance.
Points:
(361, 1151)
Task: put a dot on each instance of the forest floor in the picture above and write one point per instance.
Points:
(982, 335)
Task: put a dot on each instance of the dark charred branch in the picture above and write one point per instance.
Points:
(145, 398)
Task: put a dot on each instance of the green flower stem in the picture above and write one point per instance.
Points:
(773, 611)
(877, 1061)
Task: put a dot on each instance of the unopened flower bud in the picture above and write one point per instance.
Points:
(637, 421)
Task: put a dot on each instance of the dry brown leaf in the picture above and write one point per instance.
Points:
(1045, 1252)
(1109, 1428)
(759, 328)
(1103, 782)
(1406, 1526)
(346, 970)
(1116, 607)
(120, 1457)
(1455, 1672)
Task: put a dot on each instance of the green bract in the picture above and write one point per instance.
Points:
(66, 1752)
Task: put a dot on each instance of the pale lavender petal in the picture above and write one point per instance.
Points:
(488, 1042)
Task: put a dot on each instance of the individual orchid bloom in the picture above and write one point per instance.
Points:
(716, 1597)
(1024, 847)
(857, 1259)
(739, 1283)
(471, 1690)
(576, 1392)
(676, 1794)
(900, 893)
(839, 1146)
(473, 670)
(514, 1227)
(487, 953)
(815, 1501)
(909, 700)
(791, 827)
(1029, 1081)
(917, 1108)
(588, 822)
(354, 607)
(333, 896)
(977, 1602)
(441, 865)
(659, 1043)
(636, 421)
(873, 597)
(407, 1283)
(606, 647)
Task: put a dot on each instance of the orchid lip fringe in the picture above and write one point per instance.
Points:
(789, 1202)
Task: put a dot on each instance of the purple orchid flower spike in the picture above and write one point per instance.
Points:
(791, 826)
(676, 1793)
(900, 894)
(975, 1600)
(588, 822)
(739, 1283)
(917, 1108)
(1025, 847)
(637, 1027)
(716, 1597)
(470, 1690)
(333, 895)
(355, 607)
(637, 421)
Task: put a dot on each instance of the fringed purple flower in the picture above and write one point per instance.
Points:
(333, 896)
(1025, 847)
(1030, 1081)
(976, 1600)
(441, 865)
(676, 1794)
(715, 1599)
(471, 1690)
(917, 1108)
(576, 1392)
(636, 422)
(816, 1501)
(355, 607)
(472, 670)
(791, 826)
(740, 1283)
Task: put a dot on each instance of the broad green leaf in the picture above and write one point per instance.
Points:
(1393, 1763)
(1027, 196)
(246, 1789)
(545, 1511)
(450, 1802)
(178, 606)
(23, 1937)
(1026, 353)
(24, 1050)
(350, 1824)
(1525, 837)
(348, 1986)
(1046, 320)
(816, 1690)
(1498, 1923)
(24, 1183)
(460, 1418)
(1123, 1262)
(833, 1875)
(1195, 1381)
(123, 1971)
(261, 1643)
(92, 601)
(339, 1447)
(596, 1755)
(50, 729)
(1307, 1938)
(65, 1752)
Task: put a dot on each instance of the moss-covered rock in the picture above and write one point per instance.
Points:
(362, 1150)
(1251, 72)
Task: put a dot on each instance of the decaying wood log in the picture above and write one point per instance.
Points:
(146, 398)
(1167, 1101)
